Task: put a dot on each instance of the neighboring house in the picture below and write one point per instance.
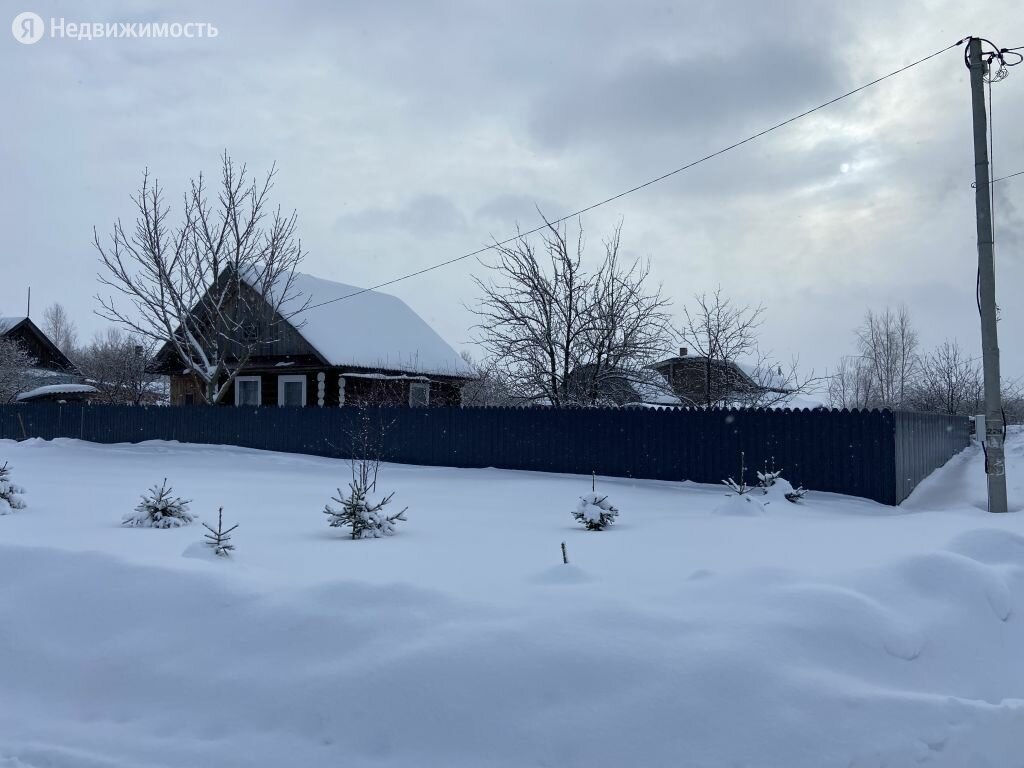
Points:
(53, 377)
(370, 348)
(689, 376)
(618, 387)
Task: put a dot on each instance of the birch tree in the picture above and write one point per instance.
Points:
(888, 345)
(195, 284)
(59, 327)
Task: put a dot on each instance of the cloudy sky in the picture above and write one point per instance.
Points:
(409, 132)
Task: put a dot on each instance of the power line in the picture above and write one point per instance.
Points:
(1004, 178)
(644, 185)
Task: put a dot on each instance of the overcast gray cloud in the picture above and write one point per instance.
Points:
(408, 132)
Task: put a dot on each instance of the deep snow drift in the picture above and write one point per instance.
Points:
(837, 632)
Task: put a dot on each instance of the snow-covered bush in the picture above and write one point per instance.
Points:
(361, 509)
(159, 509)
(767, 479)
(10, 494)
(772, 483)
(218, 538)
(595, 511)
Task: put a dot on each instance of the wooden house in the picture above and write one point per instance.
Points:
(333, 345)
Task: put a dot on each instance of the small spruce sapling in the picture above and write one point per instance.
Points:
(594, 510)
(360, 511)
(220, 539)
(159, 509)
(796, 494)
(768, 478)
(741, 488)
(10, 493)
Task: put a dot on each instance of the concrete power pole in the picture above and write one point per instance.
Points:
(995, 461)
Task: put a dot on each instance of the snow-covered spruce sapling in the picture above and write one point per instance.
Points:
(361, 510)
(594, 510)
(220, 539)
(741, 487)
(770, 477)
(159, 509)
(796, 494)
(10, 494)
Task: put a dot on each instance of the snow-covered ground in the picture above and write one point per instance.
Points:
(834, 633)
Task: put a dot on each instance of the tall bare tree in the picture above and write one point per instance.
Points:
(195, 285)
(557, 331)
(119, 365)
(57, 324)
(888, 344)
(851, 385)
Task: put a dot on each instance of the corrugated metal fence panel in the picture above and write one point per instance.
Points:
(874, 454)
(925, 441)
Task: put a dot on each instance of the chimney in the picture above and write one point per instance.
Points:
(683, 351)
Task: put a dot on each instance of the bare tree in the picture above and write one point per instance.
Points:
(555, 331)
(888, 345)
(948, 381)
(196, 286)
(119, 366)
(60, 328)
(15, 369)
(773, 384)
(851, 386)
(720, 332)
(487, 387)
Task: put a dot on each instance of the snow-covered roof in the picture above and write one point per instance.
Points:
(652, 389)
(56, 389)
(767, 376)
(368, 330)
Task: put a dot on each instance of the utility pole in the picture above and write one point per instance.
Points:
(995, 461)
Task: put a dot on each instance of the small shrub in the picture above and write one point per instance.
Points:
(772, 481)
(159, 509)
(10, 493)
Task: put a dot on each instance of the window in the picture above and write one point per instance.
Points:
(419, 394)
(291, 391)
(248, 390)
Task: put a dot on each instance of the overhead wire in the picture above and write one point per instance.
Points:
(643, 185)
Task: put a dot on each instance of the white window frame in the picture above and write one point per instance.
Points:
(425, 384)
(259, 389)
(288, 379)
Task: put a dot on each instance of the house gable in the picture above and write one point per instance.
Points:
(47, 356)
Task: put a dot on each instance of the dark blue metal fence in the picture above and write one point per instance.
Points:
(879, 455)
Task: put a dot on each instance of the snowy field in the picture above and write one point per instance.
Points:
(834, 633)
